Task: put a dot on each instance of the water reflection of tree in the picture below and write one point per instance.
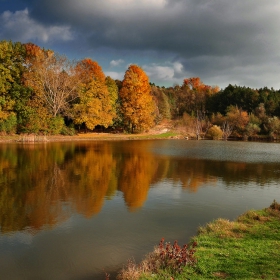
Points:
(27, 198)
(41, 185)
(190, 173)
(137, 170)
(92, 175)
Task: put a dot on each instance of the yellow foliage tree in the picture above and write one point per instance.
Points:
(95, 106)
(137, 103)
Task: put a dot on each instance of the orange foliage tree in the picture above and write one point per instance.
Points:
(137, 103)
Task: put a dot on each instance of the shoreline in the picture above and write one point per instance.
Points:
(246, 248)
(86, 137)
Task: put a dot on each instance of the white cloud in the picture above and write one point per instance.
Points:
(166, 73)
(115, 63)
(178, 67)
(121, 5)
(19, 26)
(159, 72)
(115, 75)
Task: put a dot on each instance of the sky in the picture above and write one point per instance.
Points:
(221, 41)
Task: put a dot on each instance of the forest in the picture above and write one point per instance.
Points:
(45, 93)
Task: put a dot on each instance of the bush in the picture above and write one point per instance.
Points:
(214, 132)
(56, 125)
(70, 131)
(165, 256)
(9, 124)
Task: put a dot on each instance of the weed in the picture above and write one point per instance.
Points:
(175, 257)
(165, 256)
(275, 205)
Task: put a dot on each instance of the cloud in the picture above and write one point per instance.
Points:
(19, 26)
(115, 63)
(188, 28)
(115, 75)
(213, 39)
(166, 73)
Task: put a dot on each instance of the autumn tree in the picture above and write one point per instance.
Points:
(95, 104)
(197, 93)
(253, 126)
(137, 104)
(52, 78)
(197, 124)
(114, 99)
(235, 120)
(162, 103)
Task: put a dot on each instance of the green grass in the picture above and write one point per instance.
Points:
(248, 248)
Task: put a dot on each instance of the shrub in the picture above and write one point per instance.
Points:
(165, 256)
(9, 124)
(55, 125)
(215, 132)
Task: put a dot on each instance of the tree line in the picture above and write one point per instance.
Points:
(43, 92)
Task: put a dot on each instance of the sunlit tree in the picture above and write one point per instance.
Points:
(52, 77)
(95, 103)
(137, 104)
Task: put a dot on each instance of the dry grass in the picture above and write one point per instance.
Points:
(224, 228)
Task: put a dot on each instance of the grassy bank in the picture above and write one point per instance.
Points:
(248, 248)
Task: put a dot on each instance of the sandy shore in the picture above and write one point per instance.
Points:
(82, 137)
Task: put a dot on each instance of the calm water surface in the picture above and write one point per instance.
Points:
(76, 210)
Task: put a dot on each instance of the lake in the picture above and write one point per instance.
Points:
(77, 210)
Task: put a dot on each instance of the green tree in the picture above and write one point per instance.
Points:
(137, 103)
(114, 99)
(13, 93)
(243, 97)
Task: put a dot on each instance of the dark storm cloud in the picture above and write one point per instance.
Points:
(206, 37)
(186, 27)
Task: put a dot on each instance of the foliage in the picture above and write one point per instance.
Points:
(96, 105)
(172, 258)
(137, 104)
(242, 97)
(162, 103)
(56, 125)
(114, 100)
(52, 78)
(9, 124)
(272, 126)
(13, 94)
(235, 121)
(215, 132)
(37, 85)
